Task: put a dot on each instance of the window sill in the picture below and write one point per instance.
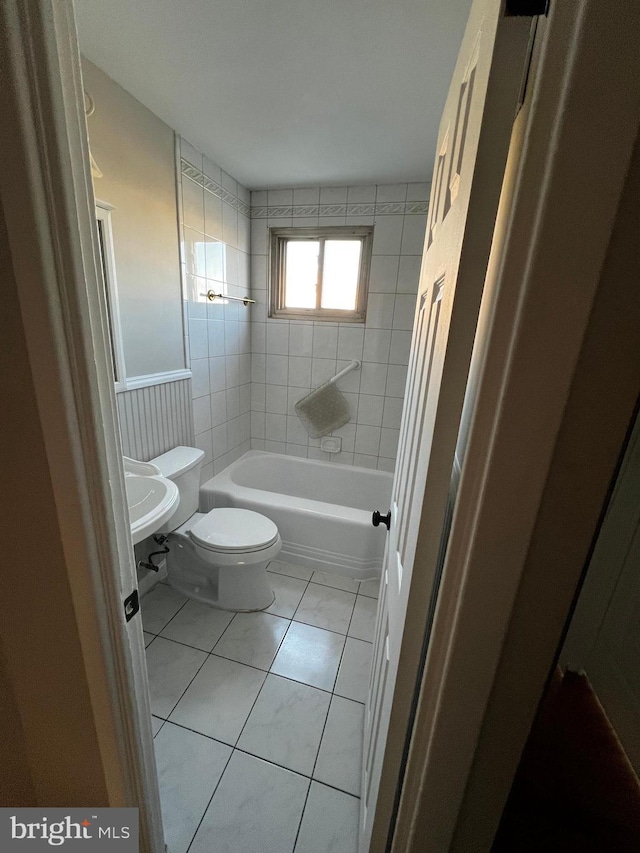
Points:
(315, 317)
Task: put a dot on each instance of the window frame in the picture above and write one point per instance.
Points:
(278, 239)
(104, 230)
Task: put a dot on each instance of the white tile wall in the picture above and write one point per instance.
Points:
(290, 357)
(215, 254)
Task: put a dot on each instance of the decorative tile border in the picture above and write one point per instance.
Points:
(310, 210)
(302, 210)
(198, 177)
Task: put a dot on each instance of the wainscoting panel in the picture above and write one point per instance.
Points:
(155, 419)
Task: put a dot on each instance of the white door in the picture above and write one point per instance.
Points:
(473, 142)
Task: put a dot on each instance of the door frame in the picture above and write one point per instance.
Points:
(488, 655)
(48, 204)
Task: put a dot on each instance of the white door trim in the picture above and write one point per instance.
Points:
(528, 369)
(48, 206)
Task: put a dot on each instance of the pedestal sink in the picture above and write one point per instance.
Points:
(152, 500)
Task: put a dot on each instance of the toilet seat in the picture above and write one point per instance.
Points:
(230, 530)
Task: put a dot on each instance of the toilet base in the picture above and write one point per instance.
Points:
(258, 599)
(228, 584)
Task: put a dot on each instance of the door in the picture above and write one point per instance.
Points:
(473, 142)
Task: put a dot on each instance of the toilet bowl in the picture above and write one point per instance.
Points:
(219, 557)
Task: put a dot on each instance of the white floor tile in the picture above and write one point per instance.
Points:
(288, 592)
(355, 666)
(197, 624)
(170, 666)
(340, 758)
(156, 724)
(310, 655)
(286, 724)
(158, 606)
(252, 638)
(290, 570)
(257, 808)
(219, 700)
(148, 638)
(189, 768)
(329, 823)
(363, 622)
(326, 607)
(336, 581)
(370, 588)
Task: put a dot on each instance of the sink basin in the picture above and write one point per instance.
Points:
(152, 501)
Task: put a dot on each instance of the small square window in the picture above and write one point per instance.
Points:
(320, 273)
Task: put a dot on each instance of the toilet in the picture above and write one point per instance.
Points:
(219, 557)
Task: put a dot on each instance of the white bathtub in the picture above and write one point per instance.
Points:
(323, 511)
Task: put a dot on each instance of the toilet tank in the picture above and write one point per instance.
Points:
(182, 465)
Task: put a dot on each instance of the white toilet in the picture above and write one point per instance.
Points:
(219, 557)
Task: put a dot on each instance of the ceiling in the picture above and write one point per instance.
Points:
(288, 92)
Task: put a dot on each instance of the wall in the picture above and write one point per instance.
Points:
(155, 419)
(214, 227)
(134, 149)
(603, 639)
(50, 750)
(289, 357)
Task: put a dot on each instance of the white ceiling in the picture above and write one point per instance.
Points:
(288, 92)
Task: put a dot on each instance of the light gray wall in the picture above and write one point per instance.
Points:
(214, 227)
(289, 357)
(134, 149)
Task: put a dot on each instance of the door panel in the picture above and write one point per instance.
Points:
(468, 170)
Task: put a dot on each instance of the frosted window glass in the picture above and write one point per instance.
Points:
(340, 274)
(301, 273)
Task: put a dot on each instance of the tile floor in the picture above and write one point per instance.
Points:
(258, 716)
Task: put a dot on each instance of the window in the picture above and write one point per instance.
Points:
(105, 243)
(320, 273)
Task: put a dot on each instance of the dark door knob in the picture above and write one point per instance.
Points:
(378, 519)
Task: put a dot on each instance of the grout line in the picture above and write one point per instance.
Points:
(302, 813)
(259, 757)
(195, 731)
(311, 625)
(231, 621)
(324, 728)
(267, 672)
(188, 645)
(197, 671)
(335, 681)
(168, 620)
(282, 574)
(210, 799)
(351, 619)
